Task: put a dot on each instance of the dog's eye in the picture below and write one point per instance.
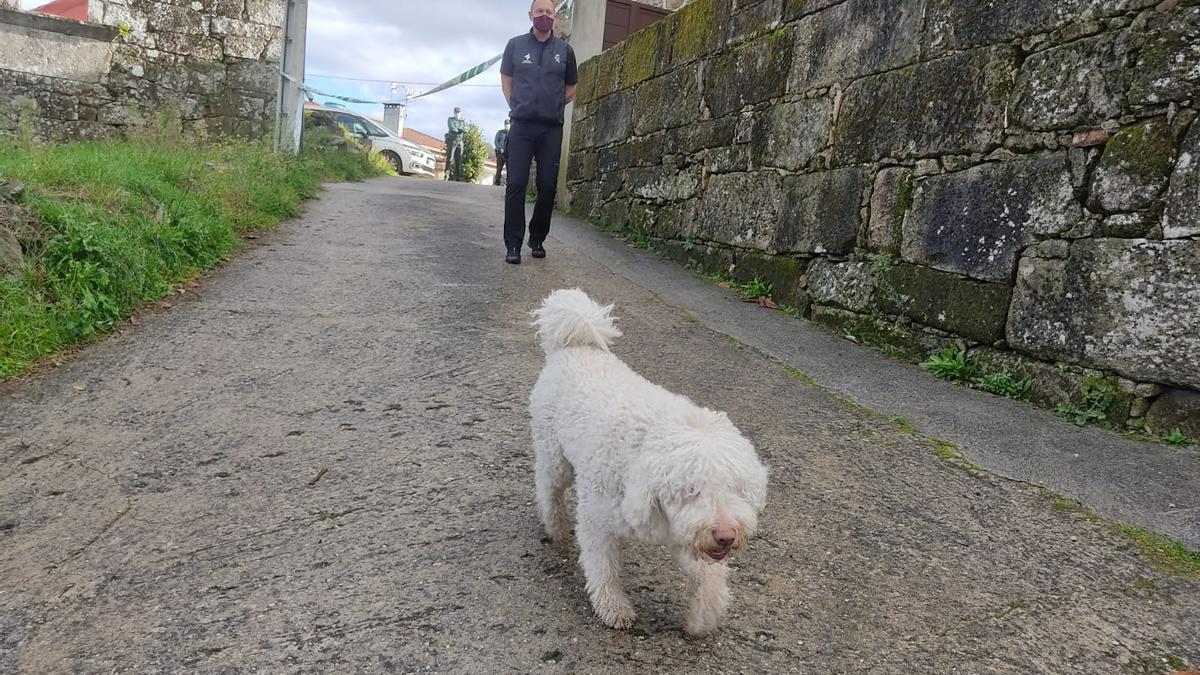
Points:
(691, 493)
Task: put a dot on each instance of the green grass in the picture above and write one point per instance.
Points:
(902, 424)
(120, 223)
(755, 289)
(1178, 438)
(1166, 554)
(1004, 384)
(1095, 399)
(951, 364)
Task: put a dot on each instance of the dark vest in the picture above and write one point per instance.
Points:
(539, 73)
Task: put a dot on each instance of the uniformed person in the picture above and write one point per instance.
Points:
(501, 145)
(456, 129)
(538, 73)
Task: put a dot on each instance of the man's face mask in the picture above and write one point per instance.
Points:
(543, 23)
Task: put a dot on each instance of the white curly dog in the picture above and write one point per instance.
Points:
(647, 464)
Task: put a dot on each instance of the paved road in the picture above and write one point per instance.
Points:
(318, 461)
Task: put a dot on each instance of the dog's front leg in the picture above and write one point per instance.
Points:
(709, 591)
(600, 558)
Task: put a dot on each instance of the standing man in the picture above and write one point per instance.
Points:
(539, 75)
(501, 150)
(454, 144)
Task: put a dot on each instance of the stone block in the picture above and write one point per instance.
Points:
(162, 17)
(786, 276)
(891, 198)
(741, 209)
(789, 135)
(975, 222)
(695, 30)
(614, 157)
(820, 212)
(641, 59)
(608, 71)
(955, 25)
(662, 183)
(1134, 168)
(1167, 49)
(1182, 217)
(11, 258)
(206, 48)
(646, 150)
(585, 90)
(854, 39)
(850, 285)
(1072, 86)
(748, 74)
(252, 47)
(1127, 305)
(794, 9)
(253, 76)
(1176, 409)
(266, 12)
(229, 8)
(973, 309)
(747, 23)
(954, 105)
(669, 101)
(614, 121)
(727, 159)
(701, 136)
(581, 166)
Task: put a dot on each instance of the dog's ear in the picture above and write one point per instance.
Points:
(641, 502)
(754, 487)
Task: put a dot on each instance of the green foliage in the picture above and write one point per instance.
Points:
(757, 288)
(475, 153)
(1096, 397)
(1177, 437)
(951, 364)
(1004, 384)
(120, 224)
(1166, 554)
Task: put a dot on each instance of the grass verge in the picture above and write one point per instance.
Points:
(104, 227)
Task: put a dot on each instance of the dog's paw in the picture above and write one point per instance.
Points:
(699, 628)
(620, 618)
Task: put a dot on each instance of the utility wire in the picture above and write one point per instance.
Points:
(367, 79)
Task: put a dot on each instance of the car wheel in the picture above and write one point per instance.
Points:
(395, 160)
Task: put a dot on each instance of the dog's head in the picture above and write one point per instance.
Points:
(703, 491)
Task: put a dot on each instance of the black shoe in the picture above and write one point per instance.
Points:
(538, 251)
(513, 257)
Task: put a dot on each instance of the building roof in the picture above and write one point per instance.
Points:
(67, 9)
(424, 139)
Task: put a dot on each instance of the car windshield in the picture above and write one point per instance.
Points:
(359, 125)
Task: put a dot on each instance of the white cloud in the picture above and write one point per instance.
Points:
(415, 42)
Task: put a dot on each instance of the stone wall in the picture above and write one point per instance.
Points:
(213, 62)
(1023, 182)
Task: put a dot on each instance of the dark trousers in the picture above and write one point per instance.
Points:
(500, 159)
(454, 157)
(526, 141)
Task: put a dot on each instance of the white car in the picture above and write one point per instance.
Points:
(406, 157)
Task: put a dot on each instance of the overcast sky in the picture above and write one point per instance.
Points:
(419, 43)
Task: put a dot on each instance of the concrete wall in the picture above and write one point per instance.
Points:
(917, 173)
(214, 62)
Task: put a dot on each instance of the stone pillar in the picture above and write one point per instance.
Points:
(393, 116)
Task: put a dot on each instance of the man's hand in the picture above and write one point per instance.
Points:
(570, 92)
(506, 85)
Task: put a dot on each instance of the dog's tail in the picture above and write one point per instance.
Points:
(569, 318)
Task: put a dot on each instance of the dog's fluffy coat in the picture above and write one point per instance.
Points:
(647, 464)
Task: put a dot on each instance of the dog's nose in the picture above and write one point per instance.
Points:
(723, 536)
